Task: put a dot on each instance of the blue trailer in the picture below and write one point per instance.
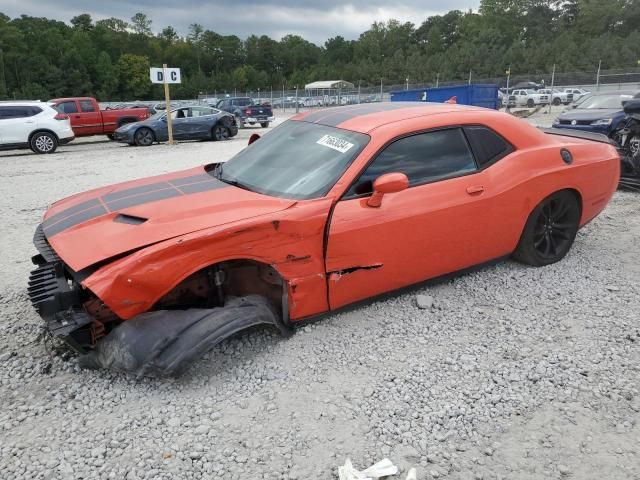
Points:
(479, 95)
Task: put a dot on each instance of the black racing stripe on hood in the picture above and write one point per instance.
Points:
(133, 197)
(73, 220)
(70, 211)
(203, 177)
(109, 197)
(143, 198)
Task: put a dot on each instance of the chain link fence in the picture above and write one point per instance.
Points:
(285, 99)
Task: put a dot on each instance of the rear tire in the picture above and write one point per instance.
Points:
(111, 136)
(43, 143)
(557, 101)
(239, 122)
(264, 124)
(220, 133)
(531, 103)
(550, 230)
(144, 137)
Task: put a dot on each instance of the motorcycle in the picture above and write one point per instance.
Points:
(628, 139)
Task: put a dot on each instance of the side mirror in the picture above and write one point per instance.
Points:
(163, 119)
(253, 138)
(387, 183)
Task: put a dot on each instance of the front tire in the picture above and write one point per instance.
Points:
(531, 103)
(239, 122)
(220, 133)
(550, 230)
(557, 101)
(111, 136)
(43, 143)
(144, 137)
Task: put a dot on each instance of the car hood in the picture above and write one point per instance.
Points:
(589, 114)
(95, 226)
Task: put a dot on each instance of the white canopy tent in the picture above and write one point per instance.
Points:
(328, 85)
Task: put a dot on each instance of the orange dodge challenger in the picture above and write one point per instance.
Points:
(330, 208)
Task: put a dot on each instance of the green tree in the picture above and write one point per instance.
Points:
(133, 73)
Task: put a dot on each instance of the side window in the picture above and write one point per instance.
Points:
(423, 158)
(19, 112)
(68, 107)
(87, 106)
(488, 147)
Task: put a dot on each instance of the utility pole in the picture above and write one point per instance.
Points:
(358, 91)
(437, 79)
(381, 95)
(598, 75)
(167, 100)
(469, 77)
(553, 82)
(508, 72)
(407, 80)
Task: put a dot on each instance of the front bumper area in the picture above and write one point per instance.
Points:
(57, 298)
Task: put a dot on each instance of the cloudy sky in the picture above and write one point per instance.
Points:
(316, 20)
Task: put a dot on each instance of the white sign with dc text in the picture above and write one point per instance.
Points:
(158, 75)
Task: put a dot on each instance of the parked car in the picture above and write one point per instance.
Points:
(332, 207)
(527, 98)
(557, 97)
(189, 123)
(526, 86)
(34, 125)
(246, 112)
(87, 118)
(600, 112)
(576, 92)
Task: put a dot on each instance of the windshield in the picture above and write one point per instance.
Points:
(604, 101)
(297, 160)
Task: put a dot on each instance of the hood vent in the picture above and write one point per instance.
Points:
(129, 219)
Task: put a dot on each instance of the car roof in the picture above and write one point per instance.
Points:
(365, 117)
(21, 103)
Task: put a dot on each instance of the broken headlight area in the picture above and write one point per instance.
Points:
(203, 310)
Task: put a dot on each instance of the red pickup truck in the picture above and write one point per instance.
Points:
(87, 118)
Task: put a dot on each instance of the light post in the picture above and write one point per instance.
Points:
(407, 80)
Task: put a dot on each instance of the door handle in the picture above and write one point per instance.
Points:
(475, 190)
(78, 116)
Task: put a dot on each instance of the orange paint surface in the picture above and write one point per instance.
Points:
(332, 252)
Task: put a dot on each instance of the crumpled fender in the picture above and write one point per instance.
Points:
(166, 342)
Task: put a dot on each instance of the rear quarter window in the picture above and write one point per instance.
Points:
(488, 147)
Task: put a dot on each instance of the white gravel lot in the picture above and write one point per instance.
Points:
(513, 373)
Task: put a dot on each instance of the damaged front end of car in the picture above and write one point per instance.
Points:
(205, 309)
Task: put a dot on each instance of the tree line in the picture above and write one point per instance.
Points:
(110, 58)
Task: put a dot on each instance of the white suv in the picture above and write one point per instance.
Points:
(34, 125)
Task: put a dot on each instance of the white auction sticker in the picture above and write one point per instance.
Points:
(336, 143)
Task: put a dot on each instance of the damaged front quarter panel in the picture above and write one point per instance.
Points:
(290, 241)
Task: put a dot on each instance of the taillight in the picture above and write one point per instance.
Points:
(248, 111)
(61, 116)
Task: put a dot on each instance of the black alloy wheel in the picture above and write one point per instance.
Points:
(220, 132)
(144, 137)
(550, 230)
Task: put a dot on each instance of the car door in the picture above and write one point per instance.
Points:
(88, 119)
(443, 222)
(17, 123)
(180, 123)
(201, 122)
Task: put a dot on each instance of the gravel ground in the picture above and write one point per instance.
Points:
(511, 372)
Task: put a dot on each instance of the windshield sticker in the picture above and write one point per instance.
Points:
(336, 143)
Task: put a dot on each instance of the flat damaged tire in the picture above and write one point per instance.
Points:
(165, 343)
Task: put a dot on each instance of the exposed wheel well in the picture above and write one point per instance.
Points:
(212, 285)
(43, 130)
